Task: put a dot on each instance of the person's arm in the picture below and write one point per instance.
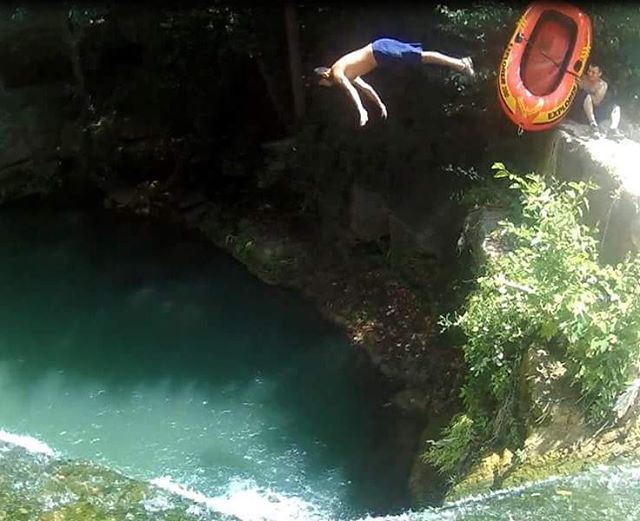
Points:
(344, 82)
(371, 93)
(599, 93)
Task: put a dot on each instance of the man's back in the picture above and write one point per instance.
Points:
(356, 63)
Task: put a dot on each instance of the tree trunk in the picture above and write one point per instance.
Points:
(295, 62)
(272, 91)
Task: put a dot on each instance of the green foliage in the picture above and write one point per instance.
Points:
(546, 288)
(616, 48)
(478, 21)
(454, 446)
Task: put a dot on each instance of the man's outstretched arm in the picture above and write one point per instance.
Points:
(371, 93)
(343, 81)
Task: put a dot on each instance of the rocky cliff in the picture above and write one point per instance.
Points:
(558, 439)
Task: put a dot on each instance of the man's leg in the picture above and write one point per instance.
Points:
(615, 117)
(463, 65)
(591, 118)
(614, 131)
(588, 110)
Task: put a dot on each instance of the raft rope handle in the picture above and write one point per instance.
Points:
(520, 130)
(521, 37)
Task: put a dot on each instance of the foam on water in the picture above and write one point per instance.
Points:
(248, 502)
(29, 443)
(245, 500)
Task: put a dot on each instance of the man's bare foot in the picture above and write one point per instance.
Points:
(467, 67)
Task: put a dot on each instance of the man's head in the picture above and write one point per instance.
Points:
(324, 76)
(594, 72)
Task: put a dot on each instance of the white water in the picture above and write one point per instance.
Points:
(29, 443)
(248, 502)
(605, 493)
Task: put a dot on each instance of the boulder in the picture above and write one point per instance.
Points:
(369, 214)
(575, 155)
(431, 231)
(475, 237)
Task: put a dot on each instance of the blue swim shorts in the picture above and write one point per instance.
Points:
(388, 51)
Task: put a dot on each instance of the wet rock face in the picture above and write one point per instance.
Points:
(36, 100)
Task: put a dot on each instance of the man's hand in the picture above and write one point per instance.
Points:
(364, 117)
(383, 111)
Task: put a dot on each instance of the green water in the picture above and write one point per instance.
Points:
(155, 355)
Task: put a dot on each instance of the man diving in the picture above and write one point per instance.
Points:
(347, 70)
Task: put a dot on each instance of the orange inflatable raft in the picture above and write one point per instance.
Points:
(546, 54)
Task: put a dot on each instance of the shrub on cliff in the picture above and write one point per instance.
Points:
(547, 289)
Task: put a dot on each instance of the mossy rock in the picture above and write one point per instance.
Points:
(44, 488)
(483, 476)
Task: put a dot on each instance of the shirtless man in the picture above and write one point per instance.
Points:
(347, 71)
(596, 102)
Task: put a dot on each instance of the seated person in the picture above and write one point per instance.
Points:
(385, 52)
(595, 102)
